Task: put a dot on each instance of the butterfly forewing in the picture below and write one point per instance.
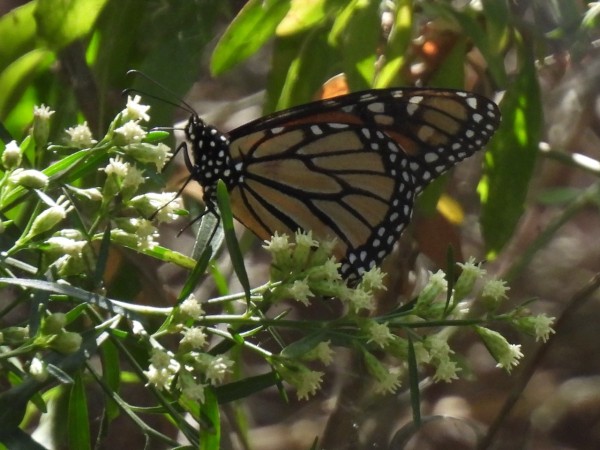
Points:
(347, 168)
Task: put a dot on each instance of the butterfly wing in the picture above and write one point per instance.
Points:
(350, 167)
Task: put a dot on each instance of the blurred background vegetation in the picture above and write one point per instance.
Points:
(529, 205)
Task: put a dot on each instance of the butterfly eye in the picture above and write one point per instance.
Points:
(347, 168)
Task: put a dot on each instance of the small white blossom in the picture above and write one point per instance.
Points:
(379, 333)
(190, 388)
(218, 368)
(373, 279)
(390, 382)
(438, 347)
(134, 110)
(131, 132)
(308, 384)
(542, 325)
(191, 308)
(145, 233)
(446, 370)
(471, 272)
(43, 112)
(38, 369)
(305, 239)
(160, 378)
(435, 287)
(144, 152)
(323, 352)
(165, 205)
(160, 359)
(133, 178)
(495, 289)
(278, 243)
(66, 245)
(360, 299)
(81, 136)
(116, 166)
(300, 291)
(195, 338)
(510, 357)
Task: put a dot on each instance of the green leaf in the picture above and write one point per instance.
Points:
(62, 22)
(413, 379)
(303, 15)
(162, 40)
(510, 157)
(19, 74)
(237, 259)
(241, 389)
(78, 422)
(111, 374)
(210, 439)
(359, 49)
(302, 346)
(252, 27)
(18, 28)
(497, 16)
(305, 74)
(451, 73)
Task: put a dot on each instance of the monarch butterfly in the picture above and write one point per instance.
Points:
(348, 167)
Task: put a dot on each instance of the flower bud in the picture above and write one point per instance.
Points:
(12, 156)
(54, 323)
(67, 342)
(41, 124)
(31, 179)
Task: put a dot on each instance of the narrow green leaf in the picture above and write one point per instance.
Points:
(209, 234)
(61, 23)
(199, 270)
(78, 421)
(305, 75)
(210, 439)
(111, 374)
(510, 157)
(300, 347)
(237, 259)
(252, 27)
(102, 259)
(413, 380)
(241, 389)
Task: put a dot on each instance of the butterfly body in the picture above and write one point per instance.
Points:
(347, 168)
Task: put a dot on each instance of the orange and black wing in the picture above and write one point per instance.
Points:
(350, 167)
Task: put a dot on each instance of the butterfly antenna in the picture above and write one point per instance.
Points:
(180, 102)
